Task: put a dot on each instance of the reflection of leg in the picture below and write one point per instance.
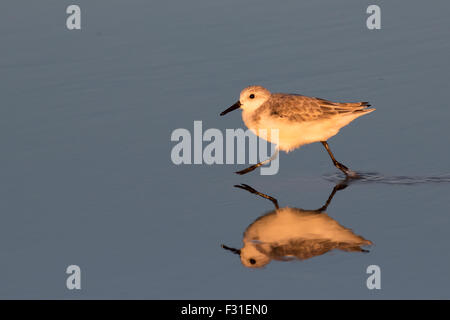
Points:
(340, 186)
(338, 165)
(247, 170)
(250, 189)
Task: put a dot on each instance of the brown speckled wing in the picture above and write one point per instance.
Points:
(303, 249)
(300, 108)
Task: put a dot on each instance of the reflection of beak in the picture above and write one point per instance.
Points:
(235, 106)
(236, 251)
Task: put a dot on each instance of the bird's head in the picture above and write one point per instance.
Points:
(250, 99)
(250, 256)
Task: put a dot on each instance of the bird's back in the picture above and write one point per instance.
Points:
(297, 108)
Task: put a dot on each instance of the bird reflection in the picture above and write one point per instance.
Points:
(287, 233)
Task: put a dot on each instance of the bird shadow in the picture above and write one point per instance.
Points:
(374, 177)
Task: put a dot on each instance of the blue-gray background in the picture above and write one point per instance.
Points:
(85, 122)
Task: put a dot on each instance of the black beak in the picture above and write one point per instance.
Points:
(235, 251)
(235, 106)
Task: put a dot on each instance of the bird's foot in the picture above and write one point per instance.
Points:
(247, 170)
(351, 174)
(348, 173)
(246, 187)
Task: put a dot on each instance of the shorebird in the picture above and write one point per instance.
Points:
(299, 120)
(287, 233)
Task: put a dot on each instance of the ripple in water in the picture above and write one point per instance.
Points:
(400, 180)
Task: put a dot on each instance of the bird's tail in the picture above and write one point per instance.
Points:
(354, 107)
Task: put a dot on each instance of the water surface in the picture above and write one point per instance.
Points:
(86, 118)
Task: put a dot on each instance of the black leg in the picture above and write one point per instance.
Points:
(250, 189)
(249, 169)
(340, 186)
(339, 165)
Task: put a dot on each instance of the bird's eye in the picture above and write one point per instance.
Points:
(252, 96)
(252, 261)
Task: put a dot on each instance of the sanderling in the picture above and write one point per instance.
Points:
(299, 119)
(292, 233)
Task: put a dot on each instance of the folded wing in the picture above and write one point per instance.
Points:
(304, 108)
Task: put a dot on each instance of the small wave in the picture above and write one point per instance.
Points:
(374, 177)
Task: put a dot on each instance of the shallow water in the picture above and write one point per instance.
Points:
(86, 172)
